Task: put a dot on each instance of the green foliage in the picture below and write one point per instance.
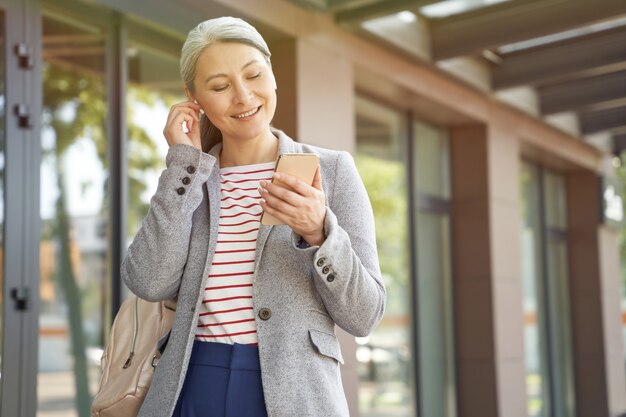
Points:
(386, 187)
(75, 108)
(621, 173)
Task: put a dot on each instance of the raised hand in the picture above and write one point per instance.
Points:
(182, 114)
(299, 205)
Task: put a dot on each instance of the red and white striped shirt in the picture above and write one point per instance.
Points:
(226, 314)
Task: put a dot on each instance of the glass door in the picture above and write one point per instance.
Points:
(2, 179)
(385, 358)
(74, 243)
(19, 204)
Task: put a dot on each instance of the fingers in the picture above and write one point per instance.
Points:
(194, 135)
(279, 198)
(278, 190)
(317, 179)
(181, 115)
(297, 184)
(275, 213)
(303, 213)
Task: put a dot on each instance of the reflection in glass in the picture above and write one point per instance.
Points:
(154, 85)
(433, 264)
(560, 326)
(537, 378)
(548, 333)
(436, 349)
(74, 236)
(621, 172)
(385, 362)
(432, 156)
(2, 139)
(555, 204)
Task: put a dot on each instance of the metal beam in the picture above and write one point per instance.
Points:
(356, 15)
(593, 52)
(619, 144)
(515, 21)
(587, 93)
(602, 120)
(336, 5)
(320, 5)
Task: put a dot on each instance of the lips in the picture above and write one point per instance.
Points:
(247, 114)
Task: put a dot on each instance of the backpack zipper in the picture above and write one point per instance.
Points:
(135, 331)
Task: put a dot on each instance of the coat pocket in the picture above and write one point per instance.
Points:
(326, 344)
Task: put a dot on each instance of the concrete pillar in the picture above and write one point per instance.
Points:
(315, 94)
(595, 302)
(326, 114)
(487, 272)
(285, 68)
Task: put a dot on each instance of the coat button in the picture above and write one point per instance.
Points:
(265, 313)
(191, 169)
(321, 261)
(330, 278)
(186, 180)
(326, 270)
(181, 191)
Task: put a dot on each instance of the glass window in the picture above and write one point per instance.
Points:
(436, 341)
(433, 264)
(385, 359)
(558, 292)
(548, 334)
(154, 85)
(2, 139)
(74, 214)
(432, 160)
(555, 204)
(537, 378)
(621, 172)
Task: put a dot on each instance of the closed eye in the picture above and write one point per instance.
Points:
(220, 88)
(255, 76)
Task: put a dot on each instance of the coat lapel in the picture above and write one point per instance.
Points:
(285, 145)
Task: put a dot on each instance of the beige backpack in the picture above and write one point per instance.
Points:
(137, 340)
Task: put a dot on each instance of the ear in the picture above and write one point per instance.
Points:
(189, 95)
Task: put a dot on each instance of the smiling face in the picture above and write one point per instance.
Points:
(235, 86)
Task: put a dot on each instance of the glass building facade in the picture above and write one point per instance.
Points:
(480, 234)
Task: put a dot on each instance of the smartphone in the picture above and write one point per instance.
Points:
(300, 165)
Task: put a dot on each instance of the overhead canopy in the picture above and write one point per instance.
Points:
(572, 53)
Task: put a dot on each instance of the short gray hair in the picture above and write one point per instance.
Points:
(221, 29)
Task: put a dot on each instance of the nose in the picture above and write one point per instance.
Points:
(243, 94)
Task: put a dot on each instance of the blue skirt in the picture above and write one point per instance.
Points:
(222, 381)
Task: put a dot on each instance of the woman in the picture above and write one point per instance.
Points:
(257, 305)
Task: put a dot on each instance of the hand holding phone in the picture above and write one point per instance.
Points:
(299, 165)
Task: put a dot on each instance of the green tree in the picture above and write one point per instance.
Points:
(621, 173)
(386, 187)
(75, 107)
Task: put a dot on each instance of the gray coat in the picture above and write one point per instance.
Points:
(307, 291)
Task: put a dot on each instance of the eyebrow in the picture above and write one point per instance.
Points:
(224, 75)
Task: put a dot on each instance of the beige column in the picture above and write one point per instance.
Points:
(326, 115)
(595, 302)
(315, 94)
(285, 68)
(488, 289)
(316, 106)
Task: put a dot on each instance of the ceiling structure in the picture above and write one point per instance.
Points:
(568, 55)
